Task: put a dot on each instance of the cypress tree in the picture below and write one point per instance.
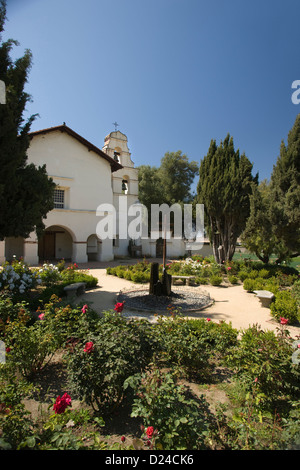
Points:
(285, 193)
(225, 183)
(26, 192)
(258, 236)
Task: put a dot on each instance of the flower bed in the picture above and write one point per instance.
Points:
(253, 276)
(162, 375)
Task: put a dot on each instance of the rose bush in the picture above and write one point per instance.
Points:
(181, 421)
(116, 349)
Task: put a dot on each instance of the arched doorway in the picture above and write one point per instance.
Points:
(55, 244)
(93, 248)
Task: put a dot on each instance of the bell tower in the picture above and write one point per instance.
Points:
(124, 181)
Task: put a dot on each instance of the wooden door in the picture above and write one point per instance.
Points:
(159, 248)
(47, 246)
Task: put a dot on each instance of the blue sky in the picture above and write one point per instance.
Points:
(173, 73)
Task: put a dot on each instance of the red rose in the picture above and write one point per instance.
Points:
(283, 321)
(150, 431)
(61, 403)
(84, 308)
(119, 307)
(89, 347)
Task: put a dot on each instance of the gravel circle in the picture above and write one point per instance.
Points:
(187, 299)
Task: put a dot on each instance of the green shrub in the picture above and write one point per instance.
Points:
(127, 275)
(286, 280)
(201, 280)
(250, 285)
(181, 345)
(253, 274)
(66, 323)
(163, 404)
(263, 358)
(30, 347)
(285, 306)
(120, 348)
(174, 268)
(15, 422)
(111, 271)
(217, 337)
(243, 275)
(233, 279)
(264, 273)
(140, 277)
(71, 276)
(295, 291)
(45, 295)
(10, 312)
(215, 280)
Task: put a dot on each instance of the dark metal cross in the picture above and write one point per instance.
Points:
(116, 125)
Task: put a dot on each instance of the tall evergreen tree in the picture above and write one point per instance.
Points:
(26, 192)
(258, 236)
(225, 183)
(285, 193)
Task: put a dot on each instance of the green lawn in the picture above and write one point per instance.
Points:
(294, 263)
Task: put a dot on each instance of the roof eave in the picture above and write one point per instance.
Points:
(115, 166)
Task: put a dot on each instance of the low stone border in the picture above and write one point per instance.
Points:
(188, 301)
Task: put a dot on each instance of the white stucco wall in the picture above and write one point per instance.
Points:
(86, 178)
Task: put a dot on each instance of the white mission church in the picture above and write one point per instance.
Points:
(85, 178)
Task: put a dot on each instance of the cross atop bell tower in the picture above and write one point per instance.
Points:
(125, 180)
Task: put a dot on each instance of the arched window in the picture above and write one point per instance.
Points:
(117, 156)
(124, 186)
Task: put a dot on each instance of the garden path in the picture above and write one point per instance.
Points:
(231, 302)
